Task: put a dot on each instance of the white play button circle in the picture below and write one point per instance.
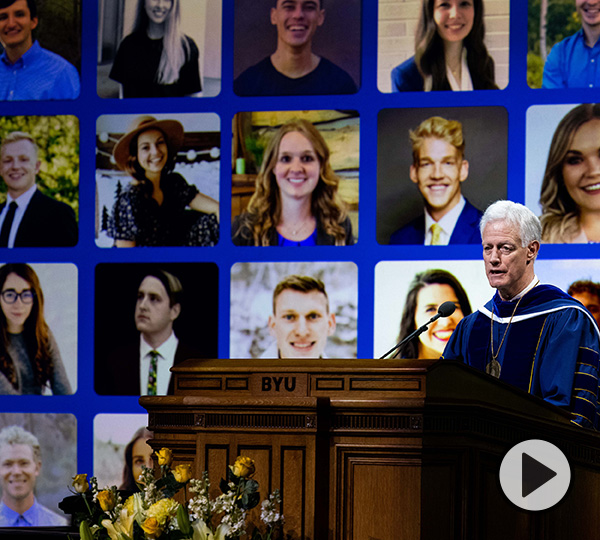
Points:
(535, 475)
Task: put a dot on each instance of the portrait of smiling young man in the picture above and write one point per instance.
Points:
(294, 68)
(29, 218)
(27, 70)
(438, 170)
(301, 321)
(20, 466)
(531, 335)
(573, 62)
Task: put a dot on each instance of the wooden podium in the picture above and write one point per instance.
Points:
(376, 449)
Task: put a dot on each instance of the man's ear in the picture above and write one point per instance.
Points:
(532, 250)
(34, 22)
(413, 174)
(175, 311)
(271, 324)
(464, 170)
(331, 323)
(38, 165)
(321, 17)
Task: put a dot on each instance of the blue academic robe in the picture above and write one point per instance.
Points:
(551, 349)
(466, 230)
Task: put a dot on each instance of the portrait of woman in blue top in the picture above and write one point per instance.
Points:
(296, 200)
(157, 59)
(30, 362)
(450, 53)
(158, 207)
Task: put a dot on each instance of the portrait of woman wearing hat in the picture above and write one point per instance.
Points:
(158, 207)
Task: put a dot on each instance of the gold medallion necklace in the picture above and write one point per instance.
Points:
(494, 367)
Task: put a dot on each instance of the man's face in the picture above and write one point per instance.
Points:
(591, 302)
(508, 265)
(16, 25)
(438, 175)
(153, 314)
(301, 324)
(18, 471)
(18, 166)
(589, 11)
(297, 20)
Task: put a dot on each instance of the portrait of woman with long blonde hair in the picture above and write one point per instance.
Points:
(157, 59)
(570, 194)
(296, 200)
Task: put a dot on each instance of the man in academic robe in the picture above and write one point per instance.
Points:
(531, 335)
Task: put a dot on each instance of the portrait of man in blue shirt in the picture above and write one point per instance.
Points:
(20, 465)
(27, 70)
(573, 62)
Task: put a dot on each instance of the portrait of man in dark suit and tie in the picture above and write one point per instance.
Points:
(436, 169)
(28, 218)
(138, 363)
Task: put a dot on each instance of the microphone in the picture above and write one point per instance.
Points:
(445, 310)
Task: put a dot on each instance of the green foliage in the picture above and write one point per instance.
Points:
(256, 146)
(246, 490)
(561, 22)
(168, 484)
(59, 28)
(535, 70)
(58, 140)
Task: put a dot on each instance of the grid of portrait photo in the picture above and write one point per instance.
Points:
(292, 179)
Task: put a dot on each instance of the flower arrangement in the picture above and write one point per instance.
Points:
(153, 513)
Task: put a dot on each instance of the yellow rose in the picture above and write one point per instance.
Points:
(182, 473)
(164, 456)
(243, 467)
(163, 510)
(106, 499)
(80, 483)
(152, 527)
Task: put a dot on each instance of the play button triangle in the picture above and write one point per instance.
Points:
(534, 474)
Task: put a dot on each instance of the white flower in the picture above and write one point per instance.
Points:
(269, 514)
(201, 531)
